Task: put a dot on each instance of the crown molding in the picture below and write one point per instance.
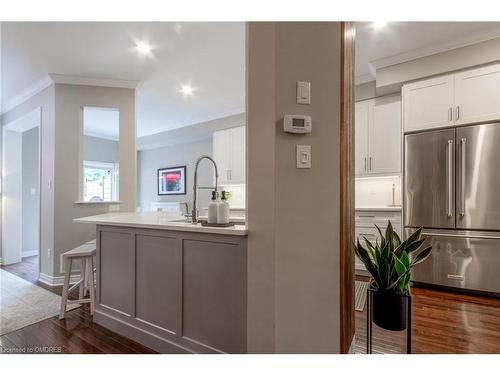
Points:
(89, 81)
(432, 50)
(53, 78)
(37, 87)
(364, 78)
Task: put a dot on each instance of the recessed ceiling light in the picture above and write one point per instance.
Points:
(187, 90)
(379, 24)
(144, 48)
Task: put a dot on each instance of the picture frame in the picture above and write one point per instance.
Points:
(171, 181)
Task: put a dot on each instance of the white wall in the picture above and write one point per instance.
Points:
(149, 161)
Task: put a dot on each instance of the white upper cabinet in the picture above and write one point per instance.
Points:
(362, 115)
(385, 136)
(428, 104)
(378, 136)
(229, 154)
(477, 95)
(455, 99)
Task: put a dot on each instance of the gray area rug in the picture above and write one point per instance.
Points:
(23, 303)
(360, 293)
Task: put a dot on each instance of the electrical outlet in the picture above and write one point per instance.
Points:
(49, 253)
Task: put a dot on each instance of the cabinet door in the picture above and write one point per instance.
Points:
(428, 104)
(221, 152)
(384, 146)
(477, 95)
(362, 120)
(237, 155)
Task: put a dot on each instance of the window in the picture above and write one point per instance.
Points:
(100, 181)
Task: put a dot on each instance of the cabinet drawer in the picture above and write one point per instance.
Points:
(378, 216)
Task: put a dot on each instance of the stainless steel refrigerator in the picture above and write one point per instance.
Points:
(452, 189)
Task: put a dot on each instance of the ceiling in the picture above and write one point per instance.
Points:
(208, 56)
(402, 41)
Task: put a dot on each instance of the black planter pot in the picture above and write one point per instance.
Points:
(389, 309)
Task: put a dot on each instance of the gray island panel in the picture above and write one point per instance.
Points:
(173, 291)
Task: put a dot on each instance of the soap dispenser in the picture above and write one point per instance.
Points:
(213, 208)
(223, 212)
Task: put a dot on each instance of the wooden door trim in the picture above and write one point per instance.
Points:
(347, 86)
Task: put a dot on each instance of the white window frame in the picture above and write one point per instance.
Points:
(114, 167)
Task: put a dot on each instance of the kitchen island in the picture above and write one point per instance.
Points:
(173, 286)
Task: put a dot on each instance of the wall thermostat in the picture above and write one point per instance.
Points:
(297, 124)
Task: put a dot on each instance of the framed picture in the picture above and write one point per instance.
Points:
(172, 181)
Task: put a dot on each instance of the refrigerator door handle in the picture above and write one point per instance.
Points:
(449, 180)
(462, 176)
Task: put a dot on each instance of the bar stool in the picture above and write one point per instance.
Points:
(85, 253)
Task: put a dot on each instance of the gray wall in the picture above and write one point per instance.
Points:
(149, 161)
(390, 78)
(31, 203)
(100, 149)
(293, 243)
(69, 100)
(193, 133)
(46, 100)
(367, 90)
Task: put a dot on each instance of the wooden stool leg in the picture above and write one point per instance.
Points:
(64, 297)
(92, 285)
(86, 279)
(83, 271)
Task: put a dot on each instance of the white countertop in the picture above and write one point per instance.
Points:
(380, 208)
(158, 220)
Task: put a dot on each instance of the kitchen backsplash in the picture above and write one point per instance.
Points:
(238, 199)
(377, 191)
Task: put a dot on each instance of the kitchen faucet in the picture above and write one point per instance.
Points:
(194, 212)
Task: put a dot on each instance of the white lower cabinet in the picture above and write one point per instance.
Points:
(365, 222)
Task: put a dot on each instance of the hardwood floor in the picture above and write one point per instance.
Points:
(76, 334)
(443, 323)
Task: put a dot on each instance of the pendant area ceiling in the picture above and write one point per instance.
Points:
(208, 57)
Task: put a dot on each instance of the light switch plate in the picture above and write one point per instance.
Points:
(303, 156)
(303, 92)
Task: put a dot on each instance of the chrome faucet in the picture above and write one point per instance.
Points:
(194, 212)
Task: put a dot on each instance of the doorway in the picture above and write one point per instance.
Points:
(21, 194)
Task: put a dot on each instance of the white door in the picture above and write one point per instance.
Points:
(237, 155)
(362, 120)
(385, 136)
(477, 95)
(428, 104)
(221, 152)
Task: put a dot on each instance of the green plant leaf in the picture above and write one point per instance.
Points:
(399, 266)
(420, 257)
(363, 255)
(410, 247)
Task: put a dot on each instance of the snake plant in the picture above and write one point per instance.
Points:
(388, 260)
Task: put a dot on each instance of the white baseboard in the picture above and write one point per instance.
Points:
(29, 253)
(57, 280)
